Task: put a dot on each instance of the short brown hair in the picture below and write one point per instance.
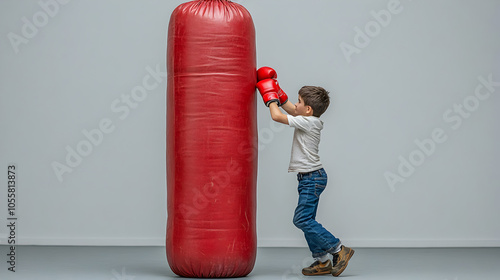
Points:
(316, 97)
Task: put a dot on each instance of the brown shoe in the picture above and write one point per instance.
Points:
(341, 260)
(318, 268)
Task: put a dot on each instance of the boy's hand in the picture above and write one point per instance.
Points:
(269, 73)
(269, 91)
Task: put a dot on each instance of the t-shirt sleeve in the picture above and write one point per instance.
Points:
(299, 122)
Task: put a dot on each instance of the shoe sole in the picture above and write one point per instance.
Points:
(317, 273)
(346, 263)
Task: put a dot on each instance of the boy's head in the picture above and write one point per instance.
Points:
(316, 98)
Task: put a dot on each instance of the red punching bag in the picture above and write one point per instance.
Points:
(211, 140)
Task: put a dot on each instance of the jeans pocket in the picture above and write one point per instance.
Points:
(321, 181)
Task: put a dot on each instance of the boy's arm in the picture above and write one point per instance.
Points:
(276, 113)
(289, 108)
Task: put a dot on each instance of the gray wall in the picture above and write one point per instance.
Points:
(410, 101)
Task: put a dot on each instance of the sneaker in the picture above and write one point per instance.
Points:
(341, 259)
(318, 268)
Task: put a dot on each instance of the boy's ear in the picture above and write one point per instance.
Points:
(309, 110)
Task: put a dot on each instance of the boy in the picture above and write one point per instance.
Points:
(304, 117)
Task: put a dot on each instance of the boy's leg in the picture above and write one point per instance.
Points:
(319, 240)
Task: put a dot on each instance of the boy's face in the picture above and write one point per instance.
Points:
(301, 109)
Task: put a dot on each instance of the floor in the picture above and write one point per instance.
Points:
(147, 263)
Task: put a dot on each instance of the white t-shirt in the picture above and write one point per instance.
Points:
(305, 146)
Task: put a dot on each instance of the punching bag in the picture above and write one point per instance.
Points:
(211, 140)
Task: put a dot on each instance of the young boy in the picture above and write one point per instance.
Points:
(304, 117)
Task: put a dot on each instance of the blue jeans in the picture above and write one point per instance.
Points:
(319, 240)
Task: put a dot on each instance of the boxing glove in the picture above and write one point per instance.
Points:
(266, 73)
(269, 73)
(283, 98)
(269, 91)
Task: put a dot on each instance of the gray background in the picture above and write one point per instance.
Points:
(84, 56)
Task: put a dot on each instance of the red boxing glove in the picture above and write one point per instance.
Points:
(269, 73)
(266, 73)
(283, 98)
(269, 91)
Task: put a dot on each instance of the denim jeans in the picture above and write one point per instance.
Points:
(319, 240)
